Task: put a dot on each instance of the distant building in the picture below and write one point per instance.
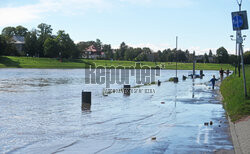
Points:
(19, 42)
(211, 59)
(200, 58)
(92, 53)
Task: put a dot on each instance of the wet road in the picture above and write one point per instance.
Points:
(40, 112)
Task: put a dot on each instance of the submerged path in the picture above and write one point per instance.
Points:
(41, 113)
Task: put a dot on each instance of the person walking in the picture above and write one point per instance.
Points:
(221, 74)
(228, 72)
(213, 81)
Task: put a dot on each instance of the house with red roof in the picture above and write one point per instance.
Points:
(93, 53)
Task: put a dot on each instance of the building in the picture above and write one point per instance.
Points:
(92, 53)
(19, 42)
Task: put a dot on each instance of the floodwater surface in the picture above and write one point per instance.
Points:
(40, 112)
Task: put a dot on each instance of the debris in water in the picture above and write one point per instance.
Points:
(162, 102)
(153, 138)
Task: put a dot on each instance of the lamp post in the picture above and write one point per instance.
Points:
(176, 78)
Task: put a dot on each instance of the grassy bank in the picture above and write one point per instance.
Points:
(29, 62)
(232, 89)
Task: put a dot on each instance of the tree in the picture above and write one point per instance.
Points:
(51, 48)
(3, 45)
(108, 51)
(122, 49)
(66, 45)
(206, 58)
(44, 32)
(129, 54)
(44, 29)
(233, 59)
(181, 56)
(247, 57)
(222, 55)
(9, 31)
(210, 53)
(21, 31)
(7, 48)
(98, 45)
(31, 43)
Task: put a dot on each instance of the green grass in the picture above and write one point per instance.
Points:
(235, 103)
(29, 62)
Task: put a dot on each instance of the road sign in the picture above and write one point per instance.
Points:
(239, 20)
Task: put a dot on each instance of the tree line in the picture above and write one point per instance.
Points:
(41, 42)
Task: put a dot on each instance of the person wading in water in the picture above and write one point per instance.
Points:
(221, 74)
(213, 81)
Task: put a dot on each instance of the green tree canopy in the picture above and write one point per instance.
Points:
(222, 55)
(31, 43)
(51, 48)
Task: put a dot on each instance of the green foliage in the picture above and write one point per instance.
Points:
(3, 44)
(9, 31)
(222, 55)
(108, 51)
(7, 48)
(206, 58)
(66, 46)
(247, 57)
(232, 89)
(31, 43)
(51, 48)
(21, 31)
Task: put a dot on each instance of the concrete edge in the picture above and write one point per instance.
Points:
(236, 143)
(234, 136)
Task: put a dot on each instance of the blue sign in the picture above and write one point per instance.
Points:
(237, 21)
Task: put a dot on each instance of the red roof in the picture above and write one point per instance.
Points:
(91, 48)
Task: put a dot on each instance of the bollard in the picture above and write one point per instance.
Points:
(86, 100)
(176, 80)
(126, 89)
(201, 73)
(159, 82)
(184, 77)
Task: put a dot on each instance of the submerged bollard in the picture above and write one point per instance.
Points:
(159, 82)
(176, 80)
(86, 100)
(126, 89)
(201, 73)
(184, 77)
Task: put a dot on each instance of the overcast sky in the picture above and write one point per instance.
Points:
(200, 24)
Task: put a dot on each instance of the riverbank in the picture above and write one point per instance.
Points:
(238, 110)
(30, 62)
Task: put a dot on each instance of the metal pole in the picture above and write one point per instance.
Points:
(193, 63)
(176, 54)
(236, 57)
(243, 68)
(239, 40)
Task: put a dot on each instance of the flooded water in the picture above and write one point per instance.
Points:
(40, 112)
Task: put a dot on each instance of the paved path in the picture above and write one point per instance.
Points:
(240, 132)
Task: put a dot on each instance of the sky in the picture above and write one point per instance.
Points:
(200, 25)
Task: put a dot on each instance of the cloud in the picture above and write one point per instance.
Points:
(162, 3)
(22, 14)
